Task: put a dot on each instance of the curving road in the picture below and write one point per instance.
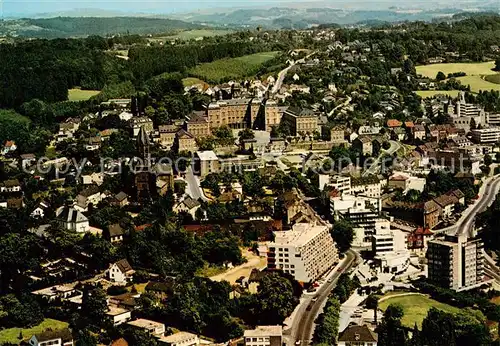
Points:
(303, 325)
(395, 146)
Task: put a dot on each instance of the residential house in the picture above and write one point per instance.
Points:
(364, 144)
(185, 141)
(72, 219)
(152, 327)
(417, 239)
(94, 178)
(57, 292)
(393, 123)
(120, 272)
(62, 337)
(90, 195)
(120, 199)
(355, 335)
(187, 205)
(337, 135)
(179, 339)
(432, 213)
(9, 147)
(93, 143)
(115, 233)
(40, 210)
(418, 132)
(447, 204)
(10, 186)
(264, 336)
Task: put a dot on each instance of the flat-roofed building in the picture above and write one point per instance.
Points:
(180, 339)
(489, 135)
(206, 162)
(264, 336)
(455, 262)
(152, 327)
(306, 252)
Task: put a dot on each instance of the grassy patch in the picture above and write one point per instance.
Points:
(189, 81)
(209, 271)
(431, 93)
(477, 83)
(493, 78)
(11, 335)
(193, 34)
(231, 68)
(415, 308)
(81, 95)
(471, 69)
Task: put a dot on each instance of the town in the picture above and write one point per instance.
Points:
(344, 193)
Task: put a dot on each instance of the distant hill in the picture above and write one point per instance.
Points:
(63, 27)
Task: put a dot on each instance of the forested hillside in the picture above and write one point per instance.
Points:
(65, 27)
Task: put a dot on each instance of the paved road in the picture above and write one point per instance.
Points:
(303, 325)
(349, 99)
(281, 78)
(395, 146)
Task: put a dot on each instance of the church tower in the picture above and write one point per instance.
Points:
(143, 179)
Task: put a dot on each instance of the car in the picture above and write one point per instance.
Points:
(314, 299)
(298, 342)
(340, 270)
(330, 280)
(309, 307)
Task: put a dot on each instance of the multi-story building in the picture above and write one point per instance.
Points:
(306, 252)
(493, 119)
(198, 125)
(489, 135)
(167, 135)
(368, 188)
(273, 115)
(464, 109)
(264, 336)
(338, 182)
(185, 141)
(206, 162)
(455, 262)
(360, 211)
(179, 339)
(234, 113)
(301, 120)
(137, 123)
(337, 135)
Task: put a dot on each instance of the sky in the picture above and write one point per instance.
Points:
(17, 8)
(29, 7)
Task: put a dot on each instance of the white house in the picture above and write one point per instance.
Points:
(39, 211)
(152, 327)
(10, 186)
(61, 337)
(125, 116)
(120, 272)
(118, 315)
(72, 219)
(180, 339)
(357, 335)
(94, 178)
(187, 205)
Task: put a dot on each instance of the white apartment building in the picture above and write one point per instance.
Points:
(372, 190)
(493, 119)
(306, 252)
(489, 135)
(363, 235)
(390, 250)
(264, 336)
(180, 339)
(360, 211)
(338, 182)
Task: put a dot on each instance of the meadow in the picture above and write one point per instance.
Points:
(190, 81)
(191, 34)
(480, 76)
(231, 68)
(81, 95)
(432, 93)
(415, 307)
(11, 335)
(471, 69)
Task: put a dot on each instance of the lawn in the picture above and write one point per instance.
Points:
(231, 68)
(190, 34)
(11, 335)
(471, 69)
(431, 93)
(189, 81)
(416, 307)
(477, 83)
(81, 95)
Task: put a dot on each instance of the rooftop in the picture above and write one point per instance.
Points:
(301, 234)
(178, 337)
(208, 155)
(264, 331)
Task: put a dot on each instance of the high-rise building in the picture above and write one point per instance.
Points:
(306, 252)
(455, 262)
(487, 135)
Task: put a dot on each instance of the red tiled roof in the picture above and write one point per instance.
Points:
(394, 123)
(142, 227)
(409, 124)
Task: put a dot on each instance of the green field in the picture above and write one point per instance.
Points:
(11, 335)
(81, 95)
(432, 93)
(471, 69)
(493, 78)
(189, 81)
(192, 34)
(477, 83)
(416, 307)
(231, 68)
